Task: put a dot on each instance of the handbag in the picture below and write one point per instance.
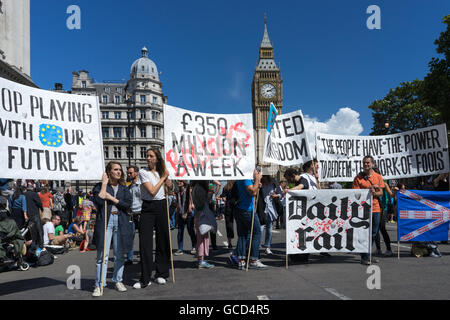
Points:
(207, 221)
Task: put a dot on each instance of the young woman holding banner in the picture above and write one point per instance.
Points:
(154, 216)
(113, 192)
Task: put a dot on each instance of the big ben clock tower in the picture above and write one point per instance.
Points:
(267, 87)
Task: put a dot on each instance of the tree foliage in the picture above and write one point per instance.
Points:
(403, 109)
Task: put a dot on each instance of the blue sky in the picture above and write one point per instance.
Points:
(207, 50)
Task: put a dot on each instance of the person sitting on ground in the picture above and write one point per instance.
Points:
(49, 232)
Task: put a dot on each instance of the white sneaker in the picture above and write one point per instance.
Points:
(257, 265)
(97, 292)
(160, 280)
(140, 285)
(178, 253)
(268, 251)
(120, 287)
(193, 251)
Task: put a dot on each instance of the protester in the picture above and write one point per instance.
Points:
(136, 206)
(68, 198)
(154, 216)
(268, 189)
(228, 212)
(34, 206)
(441, 183)
(185, 216)
(247, 190)
(59, 207)
(79, 234)
(47, 203)
(385, 201)
(202, 196)
(18, 207)
(113, 193)
(5, 187)
(369, 179)
(49, 232)
(86, 208)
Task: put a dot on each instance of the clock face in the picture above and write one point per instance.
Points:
(268, 91)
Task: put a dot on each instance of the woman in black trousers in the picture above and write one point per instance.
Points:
(154, 216)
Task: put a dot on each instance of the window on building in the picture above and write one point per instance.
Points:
(117, 99)
(106, 152)
(142, 98)
(83, 84)
(143, 153)
(143, 132)
(107, 89)
(117, 132)
(143, 113)
(105, 114)
(117, 115)
(117, 153)
(155, 100)
(132, 114)
(131, 130)
(105, 132)
(155, 115)
(130, 155)
(155, 132)
(105, 99)
(119, 89)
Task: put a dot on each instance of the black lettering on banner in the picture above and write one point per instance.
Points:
(428, 139)
(224, 127)
(213, 166)
(405, 163)
(299, 209)
(8, 98)
(335, 168)
(202, 124)
(211, 124)
(429, 162)
(224, 167)
(299, 128)
(37, 159)
(199, 167)
(184, 123)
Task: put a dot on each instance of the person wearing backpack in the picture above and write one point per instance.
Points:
(59, 205)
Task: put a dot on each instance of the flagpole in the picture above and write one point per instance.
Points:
(255, 204)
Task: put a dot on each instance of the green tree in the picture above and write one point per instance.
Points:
(436, 86)
(403, 109)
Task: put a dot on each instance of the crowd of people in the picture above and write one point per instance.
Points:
(145, 200)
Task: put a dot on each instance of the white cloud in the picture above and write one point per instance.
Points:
(345, 122)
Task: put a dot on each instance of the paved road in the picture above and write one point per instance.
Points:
(338, 277)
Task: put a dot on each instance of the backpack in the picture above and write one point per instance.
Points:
(45, 258)
(59, 203)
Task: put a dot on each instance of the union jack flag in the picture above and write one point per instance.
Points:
(423, 215)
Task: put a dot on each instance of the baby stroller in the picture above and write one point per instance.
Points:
(12, 244)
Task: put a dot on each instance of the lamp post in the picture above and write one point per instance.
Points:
(129, 102)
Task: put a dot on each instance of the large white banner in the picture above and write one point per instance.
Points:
(328, 221)
(204, 146)
(403, 155)
(286, 141)
(49, 135)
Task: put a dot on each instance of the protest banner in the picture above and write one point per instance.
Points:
(402, 155)
(423, 215)
(328, 221)
(286, 141)
(203, 146)
(49, 135)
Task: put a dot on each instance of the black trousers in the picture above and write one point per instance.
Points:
(382, 230)
(154, 217)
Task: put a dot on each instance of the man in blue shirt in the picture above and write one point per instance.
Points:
(247, 190)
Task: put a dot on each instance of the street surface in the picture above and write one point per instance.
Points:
(339, 277)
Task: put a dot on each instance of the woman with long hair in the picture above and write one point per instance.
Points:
(154, 217)
(18, 205)
(114, 192)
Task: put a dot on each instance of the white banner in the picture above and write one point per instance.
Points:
(402, 155)
(49, 135)
(204, 146)
(286, 141)
(328, 221)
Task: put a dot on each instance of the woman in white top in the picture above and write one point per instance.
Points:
(154, 216)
